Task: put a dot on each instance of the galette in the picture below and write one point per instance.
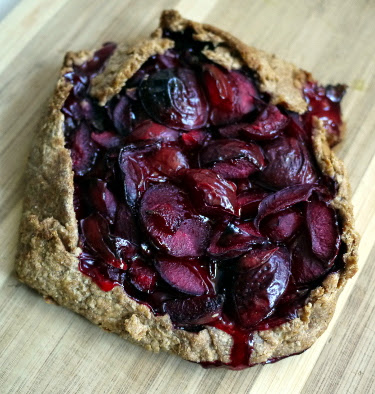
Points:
(183, 194)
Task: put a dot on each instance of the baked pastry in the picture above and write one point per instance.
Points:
(183, 194)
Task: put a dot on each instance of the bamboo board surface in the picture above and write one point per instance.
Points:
(44, 348)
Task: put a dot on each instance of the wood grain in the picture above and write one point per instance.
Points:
(44, 348)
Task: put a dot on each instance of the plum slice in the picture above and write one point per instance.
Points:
(282, 225)
(306, 267)
(170, 222)
(121, 115)
(149, 130)
(226, 149)
(185, 276)
(249, 201)
(232, 158)
(314, 253)
(124, 226)
(195, 138)
(83, 151)
(296, 129)
(169, 160)
(103, 199)
(261, 279)
(247, 93)
(230, 94)
(234, 169)
(233, 239)
(95, 231)
(138, 171)
(283, 199)
(196, 310)
(142, 276)
(323, 230)
(107, 139)
(213, 194)
(125, 234)
(288, 163)
(267, 126)
(191, 238)
(165, 207)
(173, 97)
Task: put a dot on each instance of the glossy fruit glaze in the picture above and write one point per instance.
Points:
(200, 198)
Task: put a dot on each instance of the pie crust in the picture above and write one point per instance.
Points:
(48, 253)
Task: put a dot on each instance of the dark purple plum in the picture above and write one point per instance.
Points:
(283, 199)
(232, 159)
(261, 279)
(230, 240)
(306, 267)
(103, 199)
(280, 226)
(289, 164)
(267, 126)
(323, 230)
(230, 94)
(83, 151)
(186, 276)
(142, 276)
(168, 160)
(149, 130)
(138, 171)
(107, 139)
(95, 231)
(196, 310)
(121, 115)
(124, 226)
(249, 201)
(212, 194)
(195, 138)
(170, 222)
(173, 97)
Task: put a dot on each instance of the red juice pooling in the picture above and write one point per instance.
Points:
(241, 349)
(184, 198)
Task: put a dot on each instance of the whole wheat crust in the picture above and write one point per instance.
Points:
(48, 254)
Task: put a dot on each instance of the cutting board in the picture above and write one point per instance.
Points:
(45, 348)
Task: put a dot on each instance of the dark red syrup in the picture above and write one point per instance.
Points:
(241, 349)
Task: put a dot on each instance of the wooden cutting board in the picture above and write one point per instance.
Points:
(44, 348)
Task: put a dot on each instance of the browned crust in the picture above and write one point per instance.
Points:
(47, 258)
(124, 63)
(282, 80)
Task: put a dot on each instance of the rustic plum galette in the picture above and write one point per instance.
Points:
(183, 194)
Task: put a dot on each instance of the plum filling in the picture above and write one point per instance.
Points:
(200, 198)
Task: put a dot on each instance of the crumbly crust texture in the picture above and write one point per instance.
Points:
(48, 253)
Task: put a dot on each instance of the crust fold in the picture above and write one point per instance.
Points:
(47, 258)
(124, 63)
